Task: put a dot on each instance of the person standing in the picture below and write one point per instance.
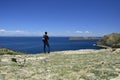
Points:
(45, 39)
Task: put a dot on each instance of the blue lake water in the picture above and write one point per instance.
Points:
(35, 44)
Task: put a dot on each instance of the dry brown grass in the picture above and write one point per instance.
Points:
(64, 65)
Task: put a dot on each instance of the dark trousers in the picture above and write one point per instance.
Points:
(46, 46)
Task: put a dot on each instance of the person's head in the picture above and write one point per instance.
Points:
(45, 32)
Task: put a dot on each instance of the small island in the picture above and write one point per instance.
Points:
(84, 38)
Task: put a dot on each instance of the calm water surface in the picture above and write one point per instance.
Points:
(35, 44)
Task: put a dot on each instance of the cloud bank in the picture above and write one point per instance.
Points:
(4, 32)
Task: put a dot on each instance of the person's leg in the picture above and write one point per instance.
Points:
(44, 48)
(48, 47)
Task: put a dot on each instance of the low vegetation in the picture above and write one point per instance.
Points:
(111, 40)
(9, 52)
(101, 64)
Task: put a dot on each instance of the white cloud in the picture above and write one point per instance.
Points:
(82, 32)
(78, 31)
(19, 31)
(11, 31)
(2, 30)
(87, 32)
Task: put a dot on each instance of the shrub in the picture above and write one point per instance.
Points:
(111, 40)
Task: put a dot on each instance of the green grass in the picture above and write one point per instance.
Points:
(59, 66)
(5, 51)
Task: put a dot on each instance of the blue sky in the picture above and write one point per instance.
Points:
(59, 17)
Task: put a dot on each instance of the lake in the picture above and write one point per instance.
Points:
(35, 45)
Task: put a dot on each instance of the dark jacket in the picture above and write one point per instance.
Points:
(45, 38)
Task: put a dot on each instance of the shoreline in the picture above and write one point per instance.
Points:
(4, 51)
(106, 47)
(7, 51)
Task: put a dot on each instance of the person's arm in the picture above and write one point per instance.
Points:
(48, 37)
(43, 38)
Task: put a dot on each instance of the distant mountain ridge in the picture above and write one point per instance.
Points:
(84, 38)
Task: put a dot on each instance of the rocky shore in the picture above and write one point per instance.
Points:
(87, 64)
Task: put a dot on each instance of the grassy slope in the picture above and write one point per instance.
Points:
(9, 52)
(60, 66)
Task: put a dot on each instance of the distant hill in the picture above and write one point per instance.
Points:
(110, 40)
(84, 38)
